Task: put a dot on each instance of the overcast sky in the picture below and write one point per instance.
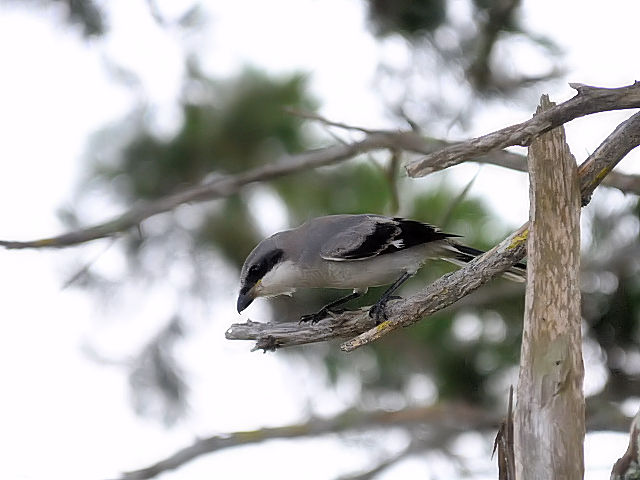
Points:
(63, 416)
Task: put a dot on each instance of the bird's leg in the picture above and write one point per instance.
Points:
(377, 311)
(330, 308)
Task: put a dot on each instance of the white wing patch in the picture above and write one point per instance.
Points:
(336, 259)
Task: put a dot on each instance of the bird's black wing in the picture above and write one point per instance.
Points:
(378, 235)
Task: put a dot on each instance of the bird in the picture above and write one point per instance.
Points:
(349, 251)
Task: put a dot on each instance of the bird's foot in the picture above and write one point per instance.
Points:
(319, 315)
(378, 311)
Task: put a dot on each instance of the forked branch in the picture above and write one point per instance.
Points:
(588, 100)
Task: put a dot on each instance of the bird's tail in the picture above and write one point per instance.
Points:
(461, 255)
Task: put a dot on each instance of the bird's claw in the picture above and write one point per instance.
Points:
(321, 315)
(378, 311)
(314, 317)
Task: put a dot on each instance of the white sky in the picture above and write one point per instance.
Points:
(62, 416)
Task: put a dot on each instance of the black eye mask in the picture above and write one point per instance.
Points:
(261, 267)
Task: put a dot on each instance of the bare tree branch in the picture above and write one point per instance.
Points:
(498, 16)
(415, 446)
(224, 186)
(625, 182)
(271, 336)
(587, 101)
(217, 188)
(447, 289)
(444, 421)
(330, 123)
(454, 418)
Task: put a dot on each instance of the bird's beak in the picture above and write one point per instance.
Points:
(244, 299)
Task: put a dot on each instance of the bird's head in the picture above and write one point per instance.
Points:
(259, 263)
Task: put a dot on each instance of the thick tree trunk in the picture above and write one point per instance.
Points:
(549, 419)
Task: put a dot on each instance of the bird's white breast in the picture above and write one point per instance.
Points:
(280, 280)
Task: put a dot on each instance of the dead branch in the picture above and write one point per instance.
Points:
(226, 185)
(415, 446)
(444, 421)
(483, 150)
(445, 418)
(625, 182)
(588, 100)
(504, 444)
(449, 288)
(271, 336)
(549, 419)
(222, 186)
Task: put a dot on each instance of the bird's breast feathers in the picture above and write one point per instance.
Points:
(280, 280)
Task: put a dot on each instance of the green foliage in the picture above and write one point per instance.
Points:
(88, 14)
(351, 188)
(242, 124)
(227, 127)
(85, 13)
(408, 17)
(467, 50)
(230, 230)
(611, 292)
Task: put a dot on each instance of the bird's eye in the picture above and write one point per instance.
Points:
(253, 269)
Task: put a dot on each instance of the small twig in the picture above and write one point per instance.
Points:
(319, 118)
(85, 268)
(410, 121)
(446, 218)
(155, 13)
(497, 18)
(391, 174)
(414, 447)
(588, 100)
(504, 444)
